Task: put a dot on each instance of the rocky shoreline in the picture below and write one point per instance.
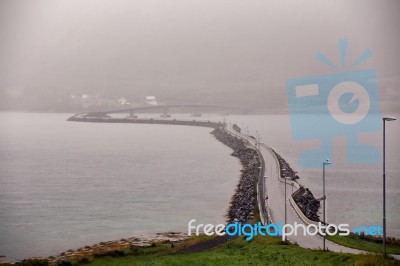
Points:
(109, 248)
(243, 202)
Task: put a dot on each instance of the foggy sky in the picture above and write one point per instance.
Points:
(187, 51)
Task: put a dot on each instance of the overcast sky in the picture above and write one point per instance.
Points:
(233, 51)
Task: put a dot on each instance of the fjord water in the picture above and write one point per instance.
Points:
(65, 184)
(68, 184)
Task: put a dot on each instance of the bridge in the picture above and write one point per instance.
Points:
(194, 109)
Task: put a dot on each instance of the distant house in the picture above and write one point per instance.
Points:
(122, 101)
(151, 100)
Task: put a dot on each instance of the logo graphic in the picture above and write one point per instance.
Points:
(339, 104)
(279, 229)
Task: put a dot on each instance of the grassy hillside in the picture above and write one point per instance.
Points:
(259, 251)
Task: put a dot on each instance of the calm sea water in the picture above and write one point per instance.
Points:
(66, 184)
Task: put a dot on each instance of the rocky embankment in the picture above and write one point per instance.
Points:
(307, 204)
(286, 171)
(243, 202)
(306, 201)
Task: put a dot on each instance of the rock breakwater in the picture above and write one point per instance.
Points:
(243, 202)
(80, 118)
(307, 204)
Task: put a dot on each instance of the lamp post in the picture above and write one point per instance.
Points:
(257, 139)
(323, 192)
(285, 207)
(384, 119)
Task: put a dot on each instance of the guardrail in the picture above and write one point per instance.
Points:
(261, 192)
(300, 214)
(297, 185)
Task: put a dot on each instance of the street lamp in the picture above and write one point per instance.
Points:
(384, 119)
(285, 207)
(256, 139)
(323, 191)
(285, 203)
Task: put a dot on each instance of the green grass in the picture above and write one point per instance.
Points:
(259, 251)
(354, 241)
